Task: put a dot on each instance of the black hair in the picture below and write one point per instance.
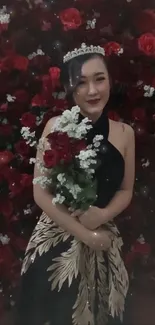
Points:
(71, 72)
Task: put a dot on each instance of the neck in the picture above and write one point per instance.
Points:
(92, 117)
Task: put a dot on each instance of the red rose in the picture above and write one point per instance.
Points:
(60, 104)
(3, 27)
(112, 48)
(5, 157)
(6, 207)
(86, 3)
(146, 44)
(54, 75)
(38, 100)
(139, 114)
(28, 120)
(113, 116)
(15, 188)
(51, 158)
(20, 62)
(5, 130)
(143, 249)
(46, 25)
(65, 155)
(59, 140)
(61, 145)
(6, 64)
(22, 148)
(70, 18)
(4, 107)
(145, 21)
(21, 95)
(26, 180)
(129, 260)
(77, 146)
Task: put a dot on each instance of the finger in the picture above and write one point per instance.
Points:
(76, 213)
(70, 209)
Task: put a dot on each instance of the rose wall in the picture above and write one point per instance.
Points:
(33, 37)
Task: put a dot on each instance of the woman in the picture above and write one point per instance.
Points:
(68, 275)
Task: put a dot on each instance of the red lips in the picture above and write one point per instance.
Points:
(93, 101)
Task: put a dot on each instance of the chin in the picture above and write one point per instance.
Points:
(95, 110)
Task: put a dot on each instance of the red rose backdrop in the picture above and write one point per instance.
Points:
(34, 34)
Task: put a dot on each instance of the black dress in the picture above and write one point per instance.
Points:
(64, 282)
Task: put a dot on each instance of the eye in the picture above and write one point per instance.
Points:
(81, 82)
(100, 79)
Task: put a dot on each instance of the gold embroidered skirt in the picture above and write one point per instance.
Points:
(64, 282)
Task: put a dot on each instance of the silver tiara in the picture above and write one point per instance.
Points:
(84, 49)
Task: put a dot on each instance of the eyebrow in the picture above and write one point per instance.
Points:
(96, 74)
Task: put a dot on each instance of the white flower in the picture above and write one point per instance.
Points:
(10, 98)
(28, 136)
(74, 189)
(43, 181)
(141, 239)
(58, 199)
(4, 239)
(67, 117)
(145, 163)
(86, 154)
(27, 211)
(91, 24)
(68, 123)
(40, 52)
(34, 54)
(32, 161)
(149, 91)
(86, 158)
(39, 119)
(4, 18)
(97, 140)
(60, 95)
(25, 131)
(120, 51)
(61, 178)
(41, 167)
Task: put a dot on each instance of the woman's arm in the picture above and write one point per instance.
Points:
(60, 215)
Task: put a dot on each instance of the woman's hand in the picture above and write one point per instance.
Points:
(91, 219)
(100, 240)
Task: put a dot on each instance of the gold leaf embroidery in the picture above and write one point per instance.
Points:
(45, 235)
(66, 266)
(82, 314)
(84, 304)
(102, 289)
(118, 278)
(95, 274)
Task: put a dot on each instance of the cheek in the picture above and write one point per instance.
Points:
(78, 96)
(105, 89)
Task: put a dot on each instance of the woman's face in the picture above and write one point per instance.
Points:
(92, 92)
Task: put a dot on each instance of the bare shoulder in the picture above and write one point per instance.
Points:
(123, 129)
(49, 125)
(51, 122)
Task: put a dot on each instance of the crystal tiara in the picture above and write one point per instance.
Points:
(84, 49)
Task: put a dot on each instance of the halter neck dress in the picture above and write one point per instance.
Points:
(63, 281)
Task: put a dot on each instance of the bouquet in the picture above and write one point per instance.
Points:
(69, 164)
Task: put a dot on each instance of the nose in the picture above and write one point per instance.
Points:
(92, 90)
